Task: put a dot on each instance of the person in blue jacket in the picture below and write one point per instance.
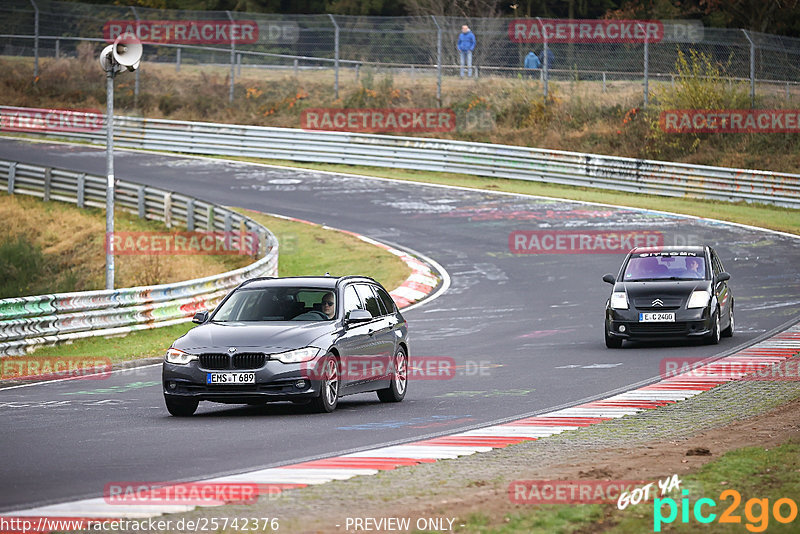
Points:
(466, 44)
(532, 62)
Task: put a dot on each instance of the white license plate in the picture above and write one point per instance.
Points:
(230, 379)
(657, 317)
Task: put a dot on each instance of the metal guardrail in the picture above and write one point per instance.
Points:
(26, 322)
(480, 159)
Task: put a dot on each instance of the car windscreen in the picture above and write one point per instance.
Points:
(665, 266)
(278, 304)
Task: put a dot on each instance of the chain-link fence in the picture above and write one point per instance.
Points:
(424, 45)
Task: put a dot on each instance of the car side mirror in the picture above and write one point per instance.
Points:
(358, 316)
(609, 279)
(722, 277)
(200, 317)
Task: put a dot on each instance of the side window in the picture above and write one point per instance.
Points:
(351, 300)
(717, 266)
(378, 298)
(369, 299)
(388, 303)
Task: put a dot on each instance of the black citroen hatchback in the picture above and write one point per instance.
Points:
(659, 293)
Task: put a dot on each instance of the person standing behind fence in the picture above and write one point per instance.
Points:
(466, 44)
(532, 63)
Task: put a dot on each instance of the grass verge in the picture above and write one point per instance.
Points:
(760, 476)
(55, 247)
(305, 250)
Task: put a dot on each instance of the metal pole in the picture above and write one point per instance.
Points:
(604, 82)
(35, 41)
(136, 74)
(546, 62)
(110, 175)
(58, 43)
(178, 60)
(752, 69)
(233, 60)
(336, 56)
(646, 69)
(438, 62)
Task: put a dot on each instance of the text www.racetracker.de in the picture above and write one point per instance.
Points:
(48, 524)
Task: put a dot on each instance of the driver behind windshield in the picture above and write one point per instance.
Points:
(329, 304)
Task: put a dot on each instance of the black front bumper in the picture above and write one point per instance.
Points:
(275, 382)
(692, 323)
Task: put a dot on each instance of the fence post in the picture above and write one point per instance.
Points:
(336, 57)
(140, 202)
(168, 209)
(604, 82)
(210, 226)
(646, 69)
(546, 62)
(136, 73)
(190, 215)
(58, 47)
(12, 175)
(295, 67)
(48, 178)
(233, 59)
(178, 60)
(752, 69)
(438, 62)
(35, 41)
(239, 64)
(81, 190)
(358, 69)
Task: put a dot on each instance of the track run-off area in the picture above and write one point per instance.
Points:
(525, 330)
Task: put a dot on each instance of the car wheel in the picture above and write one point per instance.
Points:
(612, 342)
(713, 337)
(728, 332)
(397, 389)
(329, 386)
(181, 407)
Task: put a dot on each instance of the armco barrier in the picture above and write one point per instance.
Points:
(481, 159)
(26, 322)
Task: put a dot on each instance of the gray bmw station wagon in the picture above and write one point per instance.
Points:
(309, 340)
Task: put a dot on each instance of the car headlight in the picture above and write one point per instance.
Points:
(297, 355)
(179, 357)
(699, 299)
(619, 301)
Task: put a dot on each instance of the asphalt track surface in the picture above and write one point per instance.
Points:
(525, 330)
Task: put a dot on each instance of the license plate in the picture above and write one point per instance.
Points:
(657, 317)
(230, 379)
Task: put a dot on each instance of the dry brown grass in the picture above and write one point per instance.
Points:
(579, 117)
(72, 241)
